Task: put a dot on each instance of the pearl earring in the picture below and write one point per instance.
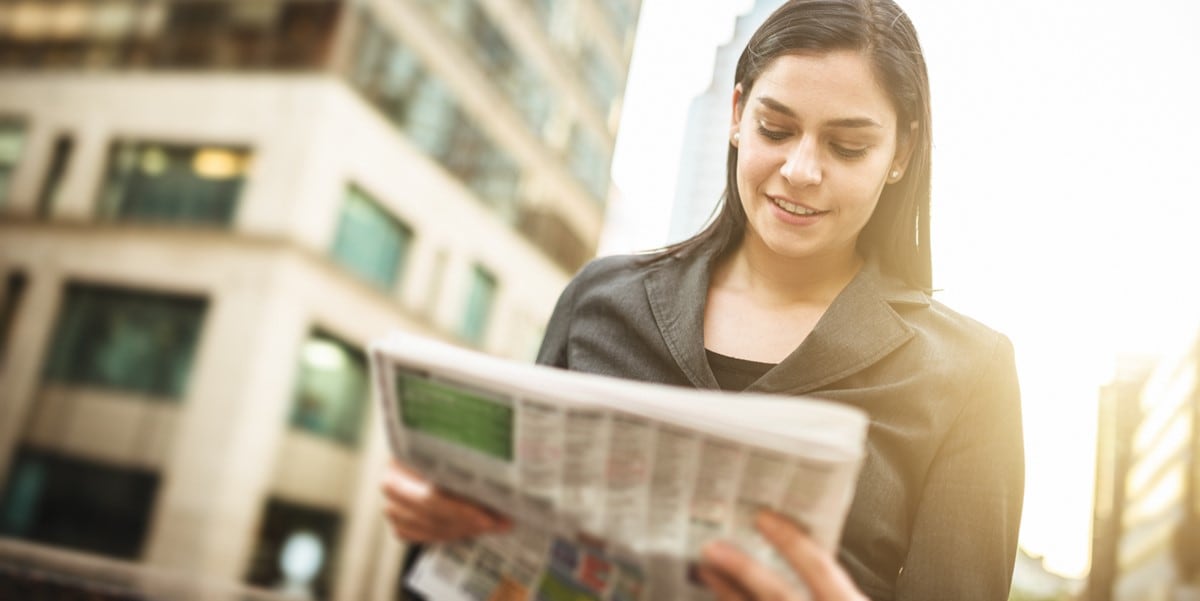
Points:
(737, 135)
(895, 174)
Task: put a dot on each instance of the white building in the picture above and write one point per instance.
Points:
(1031, 580)
(706, 137)
(207, 208)
(1158, 549)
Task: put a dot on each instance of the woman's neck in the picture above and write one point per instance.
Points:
(755, 269)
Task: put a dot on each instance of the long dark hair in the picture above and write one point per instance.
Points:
(897, 234)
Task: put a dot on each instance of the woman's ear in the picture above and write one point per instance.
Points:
(736, 121)
(904, 148)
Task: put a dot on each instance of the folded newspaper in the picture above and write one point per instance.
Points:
(613, 486)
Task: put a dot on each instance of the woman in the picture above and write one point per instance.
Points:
(814, 279)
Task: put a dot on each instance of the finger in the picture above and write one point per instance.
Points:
(720, 586)
(403, 485)
(743, 572)
(411, 530)
(407, 489)
(815, 565)
(418, 526)
(418, 520)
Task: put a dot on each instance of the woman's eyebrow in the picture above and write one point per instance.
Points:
(776, 106)
(849, 122)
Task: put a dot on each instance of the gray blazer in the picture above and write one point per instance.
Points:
(938, 504)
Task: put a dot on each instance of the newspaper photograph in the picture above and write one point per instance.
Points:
(613, 486)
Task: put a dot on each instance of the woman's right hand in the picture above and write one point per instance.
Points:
(420, 512)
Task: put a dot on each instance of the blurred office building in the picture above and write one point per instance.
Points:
(701, 178)
(1033, 582)
(1118, 412)
(209, 207)
(1146, 539)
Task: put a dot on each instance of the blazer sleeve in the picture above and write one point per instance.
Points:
(964, 532)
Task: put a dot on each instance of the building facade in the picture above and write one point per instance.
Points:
(1033, 582)
(208, 208)
(1146, 543)
(1117, 417)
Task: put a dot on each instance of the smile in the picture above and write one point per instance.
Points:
(795, 209)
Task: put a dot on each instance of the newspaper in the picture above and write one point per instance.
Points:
(613, 486)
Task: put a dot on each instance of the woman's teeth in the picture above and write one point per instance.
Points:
(794, 208)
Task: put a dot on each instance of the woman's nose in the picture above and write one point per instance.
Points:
(803, 165)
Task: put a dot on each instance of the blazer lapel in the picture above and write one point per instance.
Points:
(678, 292)
(858, 329)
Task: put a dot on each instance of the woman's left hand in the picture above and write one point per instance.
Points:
(732, 575)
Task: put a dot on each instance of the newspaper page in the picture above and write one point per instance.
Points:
(613, 486)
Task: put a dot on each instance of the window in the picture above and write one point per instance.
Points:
(331, 389)
(296, 547)
(432, 119)
(479, 305)
(225, 34)
(589, 163)
(135, 341)
(488, 171)
(12, 143)
(369, 242)
(517, 78)
(173, 183)
(392, 79)
(387, 74)
(601, 83)
(10, 303)
(70, 502)
(621, 16)
(52, 183)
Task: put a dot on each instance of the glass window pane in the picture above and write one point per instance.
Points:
(308, 538)
(432, 118)
(589, 163)
(140, 342)
(479, 305)
(331, 389)
(601, 82)
(112, 19)
(173, 183)
(392, 78)
(370, 242)
(76, 503)
(12, 144)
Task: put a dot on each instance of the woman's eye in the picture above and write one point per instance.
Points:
(772, 134)
(850, 153)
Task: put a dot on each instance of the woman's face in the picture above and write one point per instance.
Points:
(816, 138)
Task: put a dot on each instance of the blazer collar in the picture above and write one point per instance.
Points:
(859, 328)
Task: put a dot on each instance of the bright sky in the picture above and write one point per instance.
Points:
(1065, 207)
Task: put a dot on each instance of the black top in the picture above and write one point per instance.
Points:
(735, 374)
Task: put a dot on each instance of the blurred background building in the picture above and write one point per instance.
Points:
(1146, 538)
(1118, 412)
(1033, 582)
(208, 208)
(701, 179)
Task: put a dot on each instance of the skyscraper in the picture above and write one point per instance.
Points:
(706, 137)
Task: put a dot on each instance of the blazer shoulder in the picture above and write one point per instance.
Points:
(615, 272)
(967, 335)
